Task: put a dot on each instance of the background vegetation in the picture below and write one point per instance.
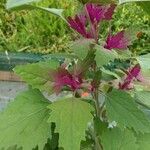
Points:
(41, 33)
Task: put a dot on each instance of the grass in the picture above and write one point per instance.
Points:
(39, 32)
(35, 30)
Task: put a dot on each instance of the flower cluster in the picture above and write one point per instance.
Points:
(87, 24)
(62, 77)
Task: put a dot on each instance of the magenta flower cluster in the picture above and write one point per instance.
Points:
(62, 77)
(87, 24)
(88, 21)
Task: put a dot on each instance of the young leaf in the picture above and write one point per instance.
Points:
(71, 117)
(104, 56)
(120, 107)
(24, 122)
(117, 139)
(37, 74)
(81, 47)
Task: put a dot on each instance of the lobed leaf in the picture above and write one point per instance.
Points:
(71, 116)
(117, 139)
(121, 107)
(24, 122)
(37, 74)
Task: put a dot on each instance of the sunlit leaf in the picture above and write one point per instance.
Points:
(104, 56)
(143, 97)
(121, 107)
(117, 139)
(143, 141)
(37, 74)
(27, 4)
(24, 122)
(71, 117)
(144, 63)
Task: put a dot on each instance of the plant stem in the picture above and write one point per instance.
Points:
(97, 144)
(97, 103)
(98, 112)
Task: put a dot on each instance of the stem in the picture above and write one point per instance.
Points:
(97, 145)
(98, 113)
(97, 103)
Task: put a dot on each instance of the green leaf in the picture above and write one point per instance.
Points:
(71, 117)
(86, 145)
(24, 122)
(144, 62)
(143, 141)
(143, 97)
(121, 107)
(17, 3)
(25, 4)
(109, 74)
(117, 139)
(37, 74)
(81, 47)
(104, 56)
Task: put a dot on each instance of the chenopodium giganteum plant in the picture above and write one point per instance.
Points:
(102, 94)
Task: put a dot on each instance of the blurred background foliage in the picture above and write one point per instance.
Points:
(39, 32)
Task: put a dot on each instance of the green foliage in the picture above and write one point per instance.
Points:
(145, 4)
(37, 74)
(143, 97)
(104, 56)
(131, 16)
(81, 47)
(25, 4)
(143, 141)
(144, 63)
(78, 123)
(35, 30)
(96, 1)
(24, 122)
(117, 139)
(15, 3)
(121, 107)
(38, 32)
(71, 117)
